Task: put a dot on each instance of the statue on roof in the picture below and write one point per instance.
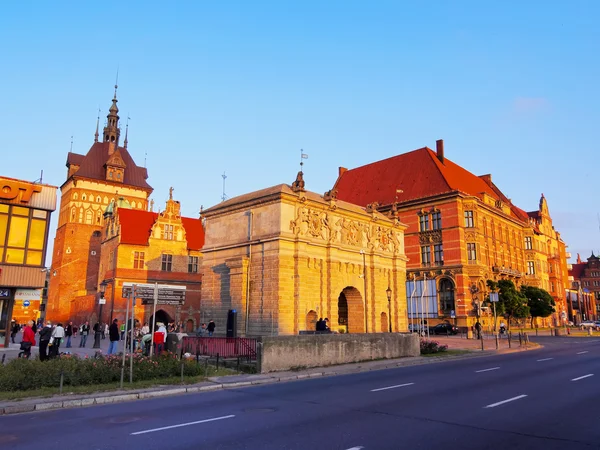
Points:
(298, 185)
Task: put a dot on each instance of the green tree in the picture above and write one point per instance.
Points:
(540, 302)
(512, 303)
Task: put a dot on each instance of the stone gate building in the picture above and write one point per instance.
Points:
(282, 257)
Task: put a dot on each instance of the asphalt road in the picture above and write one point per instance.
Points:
(542, 399)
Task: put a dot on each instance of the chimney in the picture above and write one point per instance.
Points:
(341, 170)
(439, 147)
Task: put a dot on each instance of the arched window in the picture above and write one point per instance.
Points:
(446, 296)
(83, 197)
(89, 217)
(133, 204)
(98, 200)
(75, 196)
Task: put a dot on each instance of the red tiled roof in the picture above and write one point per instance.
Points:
(136, 226)
(419, 174)
(92, 165)
(577, 271)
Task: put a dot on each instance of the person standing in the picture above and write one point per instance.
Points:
(145, 329)
(85, 330)
(478, 329)
(45, 335)
(211, 327)
(57, 336)
(69, 334)
(113, 336)
(14, 329)
(28, 340)
(104, 331)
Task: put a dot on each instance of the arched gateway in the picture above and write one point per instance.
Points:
(351, 311)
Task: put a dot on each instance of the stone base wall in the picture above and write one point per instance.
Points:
(286, 352)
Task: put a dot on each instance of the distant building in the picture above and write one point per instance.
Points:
(462, 231)
(585, 278)
(147, 247)
(94, 180)
(25, 210)
(277, 259)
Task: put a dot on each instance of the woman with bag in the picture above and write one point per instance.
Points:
(27, 341)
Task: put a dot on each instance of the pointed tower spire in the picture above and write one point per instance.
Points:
(126, 132)
(97, 126)
(111, 130)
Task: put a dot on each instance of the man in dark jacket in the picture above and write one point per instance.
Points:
(69, 334)
(45, 335)
(14, 329)
(211, 328)
(113, 334)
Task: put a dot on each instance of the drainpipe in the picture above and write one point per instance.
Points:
(250, 223)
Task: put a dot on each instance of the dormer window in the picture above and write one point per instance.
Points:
(110, 174)
(118, 175)
(168, 232)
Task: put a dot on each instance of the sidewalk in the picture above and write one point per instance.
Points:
(489, 343)
(236, 381)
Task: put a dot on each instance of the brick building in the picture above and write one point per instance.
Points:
(94, 180)
(282, 257)
(147, 247)
(462, 231)
(25, 210)
(585, 278)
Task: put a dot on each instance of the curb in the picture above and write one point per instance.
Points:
(119, 398)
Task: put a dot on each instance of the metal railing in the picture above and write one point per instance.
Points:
(223, 347)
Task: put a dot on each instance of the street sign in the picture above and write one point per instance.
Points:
(453, 314)
(26, 303)
(494, 297)
(102, 301)
(167, 294)
(4, 292)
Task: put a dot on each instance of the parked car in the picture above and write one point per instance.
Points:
(588, 324)
(444, 328)
(416, 328)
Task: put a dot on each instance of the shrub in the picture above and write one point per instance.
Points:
(22, 374)
(429, 347)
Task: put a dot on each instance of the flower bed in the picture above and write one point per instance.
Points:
(22, 374)
(429, 347)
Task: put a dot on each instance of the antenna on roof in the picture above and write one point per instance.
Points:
(39, 180)
(224, 196)
(302, 156)
(71, 144)
(145, 157)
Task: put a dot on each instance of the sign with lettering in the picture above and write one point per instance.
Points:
(10, 189)
(167, 294)
(494, 297)
(4, 293)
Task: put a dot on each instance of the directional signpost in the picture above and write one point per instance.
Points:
(494, 299)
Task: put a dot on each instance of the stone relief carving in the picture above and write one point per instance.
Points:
(324, 225)
(430, 237)
(470, 235)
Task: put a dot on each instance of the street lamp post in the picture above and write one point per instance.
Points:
(98, 326)
(364, 256)
(388, 292)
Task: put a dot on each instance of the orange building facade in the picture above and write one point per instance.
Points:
(94, 181)
(148, 247)
(462, 231)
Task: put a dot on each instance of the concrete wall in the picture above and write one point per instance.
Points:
(285, 352)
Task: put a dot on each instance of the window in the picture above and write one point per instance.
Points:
(469, 223)
(167, 263)
(472, 252)
(138, 260)
(426, 255)
(446, 295)
(22, 235)
(550, 268)
(530, 268)
(485, 230)
(424, 222)
(192, 264)
(438, 254)
(436, 220)
(168, 232)
(528, 243)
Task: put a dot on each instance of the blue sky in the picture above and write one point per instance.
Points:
(241, 87)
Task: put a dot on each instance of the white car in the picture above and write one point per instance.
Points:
(588, 324)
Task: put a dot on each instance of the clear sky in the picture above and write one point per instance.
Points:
(241, 87)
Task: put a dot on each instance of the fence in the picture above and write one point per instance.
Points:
(220, 346)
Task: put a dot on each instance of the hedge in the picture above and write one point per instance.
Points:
(23, 374)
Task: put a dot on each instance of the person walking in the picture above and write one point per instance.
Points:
(113, 336)
(211, 327)
(28, 340)
(104, 331)
(45, 335)
(69, 334)
(478, 329)
(57, 336)
(14, 329)
(85, 330)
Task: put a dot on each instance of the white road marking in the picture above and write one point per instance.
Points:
(355, 448)
(182, 425)
(581, 353)
(544, 359)
(518, 397)
(581, 378)
(487, 370)
(392, 387)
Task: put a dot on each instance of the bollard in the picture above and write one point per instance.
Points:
(497, 344)
(520, 339)
(3, 358)
(62, 377)
(509, 339)
(590, 332)
(217, 361)
(206, 367)
(182, 363)
(197, 357)
(238, 364)
(536, 331)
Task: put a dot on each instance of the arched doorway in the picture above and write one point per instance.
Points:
(351, 310)
(189, 326)
(446, 291)
(311, 320)
(385, 326)
(161, 317)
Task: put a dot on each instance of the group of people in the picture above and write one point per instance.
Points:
(322, 325)
(50, 339)
(206, 330)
